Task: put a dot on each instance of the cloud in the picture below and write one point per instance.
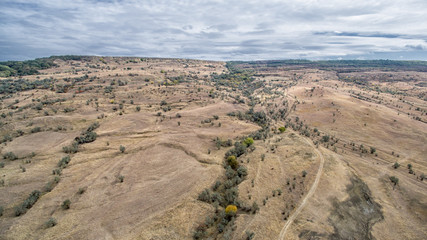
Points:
(213, 29)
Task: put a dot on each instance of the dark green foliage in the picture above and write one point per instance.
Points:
(138, 108)
(64, 162)
(28, 203)
(238, 150)
(86, 137)
(304, 173)
(396, 165)
(66, 204)
(50, 223)
(242, 171)
(73, 148)
(29, 67)
(36, 130)
(249, 235)
(121, 178)
(1, 164)
(10, 156)
(92, 127)
(394, 180)
(122, 148)
(373, 150)
(325, 138)
(205, 196)
(1, 211)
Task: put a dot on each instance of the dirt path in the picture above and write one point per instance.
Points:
(309, 194)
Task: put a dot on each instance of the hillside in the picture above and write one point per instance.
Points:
(146, 148)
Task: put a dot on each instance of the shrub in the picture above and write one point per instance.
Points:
(36, 130)
(205, 196)
(249, 235)
(231, 210)
(325, 138)
(10, 156)
(1, 211)
(73, 148)
(81, 191)
(66, 204)
(394, 180)
(20, 210)
(304, 173)
(122, 148)
(63, 162)
(232, 162)
(92, 127)
(255, 207)
(50, 223)
(121, 178)
(1, 164)
(242, 171)
(138, 108)
(282, 129)
(396, 165)
(248, 141)
(373, 150)
(86, 137)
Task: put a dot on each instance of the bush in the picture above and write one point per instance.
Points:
(50, 223)
(86, 137)
(73, 148)
(10, 156)
(242, 171)
(20, 210)
(205, 196)
(282, 129)
(325, 138)
(66, 204)
(394, 180)
(122, 149)
(64, 162)
(396, 165)
(231, 210)
(138, 108)
(1, 164)
(121, 178)
(304, 173)
(1, 211)
(36, 130)
(248, 141)
(232, 162)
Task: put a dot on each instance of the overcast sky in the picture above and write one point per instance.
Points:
(215, 29)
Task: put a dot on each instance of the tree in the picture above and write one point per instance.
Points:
(373, 150)
(394, 180)
(248, 141)
(396, 165)
(232, 162)
(304, 173)
(231, 210)
(66, 204)
(282, 129)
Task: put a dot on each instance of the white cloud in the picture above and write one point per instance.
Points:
(212, 29)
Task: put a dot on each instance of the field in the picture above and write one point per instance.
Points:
(144, 148)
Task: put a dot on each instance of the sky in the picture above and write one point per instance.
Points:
(215, 29)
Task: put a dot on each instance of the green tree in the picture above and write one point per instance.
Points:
(122, 148)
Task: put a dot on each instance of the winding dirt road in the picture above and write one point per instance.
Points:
(309, 194)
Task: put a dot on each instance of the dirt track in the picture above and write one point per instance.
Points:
(309, 194)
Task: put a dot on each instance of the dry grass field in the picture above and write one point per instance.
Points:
(137, 148)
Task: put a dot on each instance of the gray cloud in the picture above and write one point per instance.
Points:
(214, 29)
